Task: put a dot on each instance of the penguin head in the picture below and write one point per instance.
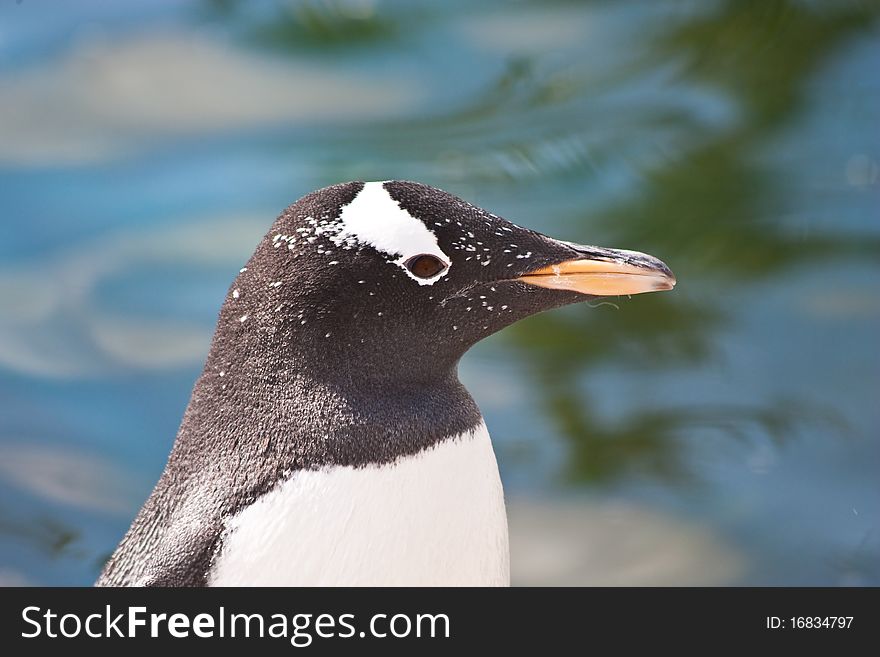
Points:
(399, 279)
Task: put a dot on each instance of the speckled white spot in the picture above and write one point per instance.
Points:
(376, 219)
(243, 318)
(235, 293)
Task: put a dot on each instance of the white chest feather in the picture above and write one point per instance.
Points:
(434, 518)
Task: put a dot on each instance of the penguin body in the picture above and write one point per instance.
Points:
(366, 523)
(328, 440)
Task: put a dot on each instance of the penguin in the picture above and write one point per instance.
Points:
(328, 440)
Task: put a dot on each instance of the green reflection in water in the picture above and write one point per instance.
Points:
(311, 24)
(711, 216)
(48, 535)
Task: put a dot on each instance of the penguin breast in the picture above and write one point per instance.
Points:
(436, 517)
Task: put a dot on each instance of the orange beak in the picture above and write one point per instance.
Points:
(631, 273)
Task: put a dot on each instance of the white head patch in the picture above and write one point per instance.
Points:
(374, 218)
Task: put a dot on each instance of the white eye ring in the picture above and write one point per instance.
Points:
(425, 265)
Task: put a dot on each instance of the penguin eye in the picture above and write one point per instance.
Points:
(425, 265)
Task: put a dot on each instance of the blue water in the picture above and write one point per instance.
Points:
(145, 148)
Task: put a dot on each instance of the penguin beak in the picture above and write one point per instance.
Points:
(604, 272)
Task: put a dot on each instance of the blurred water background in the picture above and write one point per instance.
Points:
(725, 433)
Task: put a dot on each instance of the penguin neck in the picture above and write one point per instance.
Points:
(307, 408)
